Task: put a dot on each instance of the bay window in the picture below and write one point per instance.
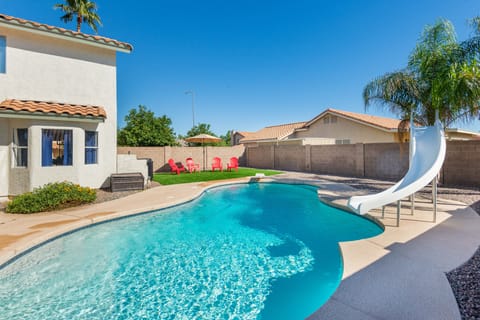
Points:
(56, 147)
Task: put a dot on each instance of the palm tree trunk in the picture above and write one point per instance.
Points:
(79, 22)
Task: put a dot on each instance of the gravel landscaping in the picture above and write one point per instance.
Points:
(465, 282)
(106, 195)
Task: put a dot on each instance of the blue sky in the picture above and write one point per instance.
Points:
(256, 63)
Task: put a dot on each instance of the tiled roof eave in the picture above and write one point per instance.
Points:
(49, 116)
(31, 108)
(259, 140)
(39, 28)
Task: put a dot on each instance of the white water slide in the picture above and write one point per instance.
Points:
(427, 152)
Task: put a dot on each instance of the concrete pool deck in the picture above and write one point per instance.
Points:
(399, 274)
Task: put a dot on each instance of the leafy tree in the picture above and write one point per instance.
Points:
(83, 10)
(199, 129)
(144, 129)
(227, 138)
(442, 74)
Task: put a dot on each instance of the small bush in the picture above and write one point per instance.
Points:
(52, 196)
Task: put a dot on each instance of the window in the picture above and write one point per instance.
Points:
(56, 147)
(342, 141)
(326, 120)
(333, 119)
(20, 147)
(3, 54)
(91, 147)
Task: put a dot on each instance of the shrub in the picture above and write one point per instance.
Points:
(52, 196)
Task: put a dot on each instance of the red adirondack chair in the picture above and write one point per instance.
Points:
(192, 166)
(174, 167)
(233, 164)
(217, 164)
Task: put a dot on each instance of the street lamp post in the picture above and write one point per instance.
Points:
(193, 104)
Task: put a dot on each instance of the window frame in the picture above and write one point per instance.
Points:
(91, 148)
(3, 54)
(51, 135)
(343, 141)
(18, 147)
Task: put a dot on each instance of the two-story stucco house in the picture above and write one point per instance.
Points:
(58, 107)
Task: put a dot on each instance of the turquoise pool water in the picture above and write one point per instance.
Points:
(245, 251)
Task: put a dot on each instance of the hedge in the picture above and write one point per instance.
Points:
(52, 196)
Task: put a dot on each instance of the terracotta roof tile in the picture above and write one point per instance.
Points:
(244, 134)
(42, 107)
(273, 132)
(381, 122)
(387, 123)
(65, 32)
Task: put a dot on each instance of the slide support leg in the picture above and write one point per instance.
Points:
(434, 197)
(412, 204)
(399, 206)
(383, 212)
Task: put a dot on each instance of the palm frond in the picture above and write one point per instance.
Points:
(84, 10)
(395, 91)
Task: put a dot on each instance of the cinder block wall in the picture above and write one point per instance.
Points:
(260, 157)
(290, 158)
(462, 164)
(225, 153)
(180, 154)
(157, 154)
(335, 159)
(201, 155)
(388, 161)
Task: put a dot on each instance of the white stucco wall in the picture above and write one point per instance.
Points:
(129, 163)
(346, 129)
(49, 69)
(4, 158)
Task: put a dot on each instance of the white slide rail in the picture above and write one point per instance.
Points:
(427, 153)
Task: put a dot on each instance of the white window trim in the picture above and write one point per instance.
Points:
(16, 148)
(5, 54)
(91, 148)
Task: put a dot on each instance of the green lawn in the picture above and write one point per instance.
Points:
(171, 178)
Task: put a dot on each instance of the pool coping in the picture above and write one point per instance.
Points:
(361, 257)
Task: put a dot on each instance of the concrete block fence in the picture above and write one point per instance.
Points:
(387, 161)
(201, 155)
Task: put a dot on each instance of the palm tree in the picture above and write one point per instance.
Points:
(441, 74)
(84, 10)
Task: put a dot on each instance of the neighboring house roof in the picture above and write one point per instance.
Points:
(470, 134)
(281, 132)
(43, 108)
(244, 133)
(272, 133)
(388, 124)
(12, 22)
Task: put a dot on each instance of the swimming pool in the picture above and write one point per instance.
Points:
(245, 251)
